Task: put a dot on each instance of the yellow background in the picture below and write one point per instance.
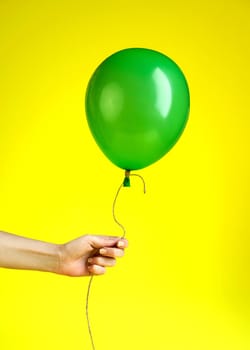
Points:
(185, 280)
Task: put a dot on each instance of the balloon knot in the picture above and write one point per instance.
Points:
(126, 181)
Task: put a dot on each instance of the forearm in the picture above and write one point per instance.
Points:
(17, 252)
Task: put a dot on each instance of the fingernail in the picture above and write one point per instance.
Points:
(90, 260)
(103, 251)
(120, 244)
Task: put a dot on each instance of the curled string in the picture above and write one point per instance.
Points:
(123, 236)
(143, 181)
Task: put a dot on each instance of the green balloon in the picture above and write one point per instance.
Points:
(137, 105)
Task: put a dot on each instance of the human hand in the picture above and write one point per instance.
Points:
(90, 255)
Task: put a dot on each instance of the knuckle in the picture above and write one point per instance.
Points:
(91, 269)
(100, 260)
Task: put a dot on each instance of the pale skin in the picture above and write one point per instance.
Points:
(84, 256)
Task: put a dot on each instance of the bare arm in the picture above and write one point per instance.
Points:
(23, 253)
(84, 256)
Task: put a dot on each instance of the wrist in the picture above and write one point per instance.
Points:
(51, 258)
(40, 256)
(60, 253)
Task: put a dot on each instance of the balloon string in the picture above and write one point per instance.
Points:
(87, 313)
(113, 212)
(143, 181)
(123, 236)
(116, 196)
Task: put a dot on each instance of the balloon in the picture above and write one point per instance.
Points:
(137, 105)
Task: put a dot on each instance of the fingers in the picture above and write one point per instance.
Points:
(111, 252)
(98, 242)
(122, 243)
(106, 258)
(102, 261)
(97, 264)
(96, 270)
